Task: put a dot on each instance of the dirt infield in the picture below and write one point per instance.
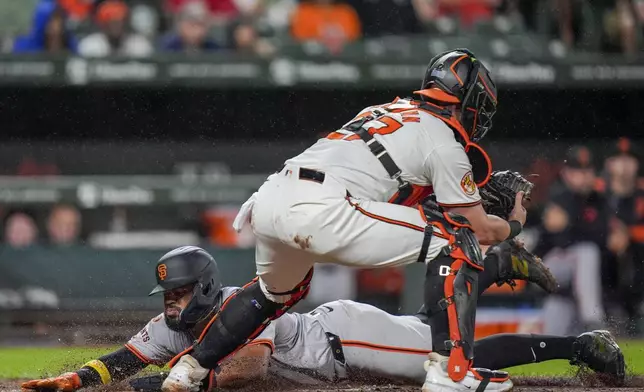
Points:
(522, 384)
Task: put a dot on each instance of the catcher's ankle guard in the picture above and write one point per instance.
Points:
(243, 316)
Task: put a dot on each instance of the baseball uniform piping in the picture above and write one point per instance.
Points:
(380, 347)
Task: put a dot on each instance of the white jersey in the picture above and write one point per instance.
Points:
(421, 145)
(397, 348)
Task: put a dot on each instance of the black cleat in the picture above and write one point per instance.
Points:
(515, 262)
(598, 351)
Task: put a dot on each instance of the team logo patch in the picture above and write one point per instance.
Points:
(162, 270)
(467, 184)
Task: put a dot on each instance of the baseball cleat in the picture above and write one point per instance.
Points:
(185, 376)
(598, 351)
(515, 262)
(479, 380)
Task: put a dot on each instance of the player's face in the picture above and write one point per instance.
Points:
(176, 300)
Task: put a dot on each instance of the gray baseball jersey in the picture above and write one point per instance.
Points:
(372, 340)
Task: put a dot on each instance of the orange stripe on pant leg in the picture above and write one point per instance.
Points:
(384, 219)
(380, 347)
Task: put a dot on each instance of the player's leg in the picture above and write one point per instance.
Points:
(558, 309)
(587, 287)
(596, 349)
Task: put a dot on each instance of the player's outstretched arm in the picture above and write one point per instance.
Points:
(491, 229)
(111, 367)
(247, 365)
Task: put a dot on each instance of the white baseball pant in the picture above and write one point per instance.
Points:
(299, 222)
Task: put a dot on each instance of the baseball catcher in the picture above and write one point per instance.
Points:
(328, 344)
(351, 199)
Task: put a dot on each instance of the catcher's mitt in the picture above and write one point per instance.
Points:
(499, 193)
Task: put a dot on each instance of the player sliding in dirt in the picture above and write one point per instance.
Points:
(334, 342)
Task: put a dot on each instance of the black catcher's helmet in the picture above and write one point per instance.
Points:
(187, 265)
(458, 78)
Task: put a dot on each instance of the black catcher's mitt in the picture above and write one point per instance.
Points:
(499, 193)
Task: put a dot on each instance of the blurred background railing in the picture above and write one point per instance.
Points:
(128, 128)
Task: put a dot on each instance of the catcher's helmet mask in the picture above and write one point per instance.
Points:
(457, 78)
(190, 265)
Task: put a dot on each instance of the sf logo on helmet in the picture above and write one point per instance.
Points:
(162, 270)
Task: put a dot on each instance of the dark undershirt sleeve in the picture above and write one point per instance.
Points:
(121, 364)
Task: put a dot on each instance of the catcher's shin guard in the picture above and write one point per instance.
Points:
(461, 296)
(242, 317)
(451, 290)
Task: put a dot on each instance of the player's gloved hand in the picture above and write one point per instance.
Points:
(67, 382)
(499, 195)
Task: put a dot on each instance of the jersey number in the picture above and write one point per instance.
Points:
(386, 125)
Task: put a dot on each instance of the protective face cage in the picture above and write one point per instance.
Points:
(479, 105)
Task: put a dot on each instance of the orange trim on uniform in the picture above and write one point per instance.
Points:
(176, 358)
(438, 94)
(335, 135)
(487, 89)
(139, 354)
(444, 234)
(211, 380)
(262, 342)
(458, 60)
(488, 162)
(497, 379)
(384, 219)
(472, 204)
(205, 330)
(455, 223)
(380, 347)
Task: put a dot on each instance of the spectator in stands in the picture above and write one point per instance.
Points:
(573, 234)
(64, 225)
(220, 10)
(245, 39)
(49, 32)
(20, 229)
(191, 31)
(617, 18)
(331, 23)
(114, 37)
(569, 17)
(627, 200)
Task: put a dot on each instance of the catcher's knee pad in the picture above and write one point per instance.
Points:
(242, 317)
(463, 244)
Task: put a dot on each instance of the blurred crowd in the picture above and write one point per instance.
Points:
(63, 223)
(138, 28)
(591, 236)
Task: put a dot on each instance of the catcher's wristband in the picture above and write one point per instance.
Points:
(515, 228)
